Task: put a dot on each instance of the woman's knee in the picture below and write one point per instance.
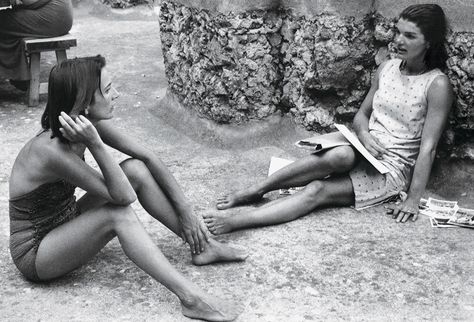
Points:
(120, 216)
(135, 170)
(313, 190)
(342, 158)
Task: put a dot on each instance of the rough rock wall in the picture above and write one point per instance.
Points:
(326, 65)
(232, 67)
(225, 66)
(461, 74)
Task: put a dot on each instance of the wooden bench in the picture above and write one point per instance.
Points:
(34, 48)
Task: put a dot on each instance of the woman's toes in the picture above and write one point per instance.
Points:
(223, 205)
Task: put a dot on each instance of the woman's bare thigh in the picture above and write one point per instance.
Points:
(75, 242)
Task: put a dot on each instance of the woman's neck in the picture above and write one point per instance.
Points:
(413, 67)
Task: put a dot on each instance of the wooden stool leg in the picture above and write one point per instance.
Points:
(60, 55)
(33, 91)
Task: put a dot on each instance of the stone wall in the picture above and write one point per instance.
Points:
(224, 65)
(309, 59)
(326, 63)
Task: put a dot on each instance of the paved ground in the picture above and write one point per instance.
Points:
(336, 264)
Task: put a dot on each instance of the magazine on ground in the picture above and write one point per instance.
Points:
(342, 137)
(445, 213)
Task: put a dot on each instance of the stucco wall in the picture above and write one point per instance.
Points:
(233, 61)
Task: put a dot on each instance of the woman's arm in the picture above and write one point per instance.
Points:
(112, 185)
(440, 99)
(193, 229)
(361, 119)
(126, 144)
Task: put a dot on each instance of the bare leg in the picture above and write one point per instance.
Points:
(155, 202)
(74, 243)
(334, 192)
(299, 173)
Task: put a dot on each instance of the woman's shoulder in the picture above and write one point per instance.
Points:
(46, 147)
(387, 66)
(35, 158)
(390, 63)
(394, 61)
(439, 83)
(436, 80)
(436, 72)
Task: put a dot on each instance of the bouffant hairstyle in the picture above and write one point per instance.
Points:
(431, 20)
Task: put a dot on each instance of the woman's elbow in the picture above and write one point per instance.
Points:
(148, 156)
(429, 151)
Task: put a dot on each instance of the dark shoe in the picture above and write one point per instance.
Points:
(22, 85)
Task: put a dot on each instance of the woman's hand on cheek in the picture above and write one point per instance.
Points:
(80, 130)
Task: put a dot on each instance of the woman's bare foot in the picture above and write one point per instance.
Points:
(218, 252)
(218, 224)
(209, 308)
(237, 198)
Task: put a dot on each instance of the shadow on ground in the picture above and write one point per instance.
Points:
(335, 264)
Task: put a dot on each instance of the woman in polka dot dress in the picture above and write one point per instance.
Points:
(399, 122)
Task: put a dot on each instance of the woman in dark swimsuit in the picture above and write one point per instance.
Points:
(52, 234)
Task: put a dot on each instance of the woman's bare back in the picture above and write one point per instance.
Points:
(31, 168)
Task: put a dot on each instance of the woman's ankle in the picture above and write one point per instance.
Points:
(190, 298)
(257, 192)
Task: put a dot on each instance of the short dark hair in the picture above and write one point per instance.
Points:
(431, 20)
(71, 88)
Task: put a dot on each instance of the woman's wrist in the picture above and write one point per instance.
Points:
(362, 134)
(414, 196)
(95, 145)
(184, 210)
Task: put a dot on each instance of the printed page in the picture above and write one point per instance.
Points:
(275, 165)
(358, 145)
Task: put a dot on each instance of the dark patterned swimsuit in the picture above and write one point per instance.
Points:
(33, 215)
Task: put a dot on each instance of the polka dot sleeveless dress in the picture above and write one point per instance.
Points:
(399, 111)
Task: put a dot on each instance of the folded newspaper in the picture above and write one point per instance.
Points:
(323, 142)
(342, 137)
(444, 213)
